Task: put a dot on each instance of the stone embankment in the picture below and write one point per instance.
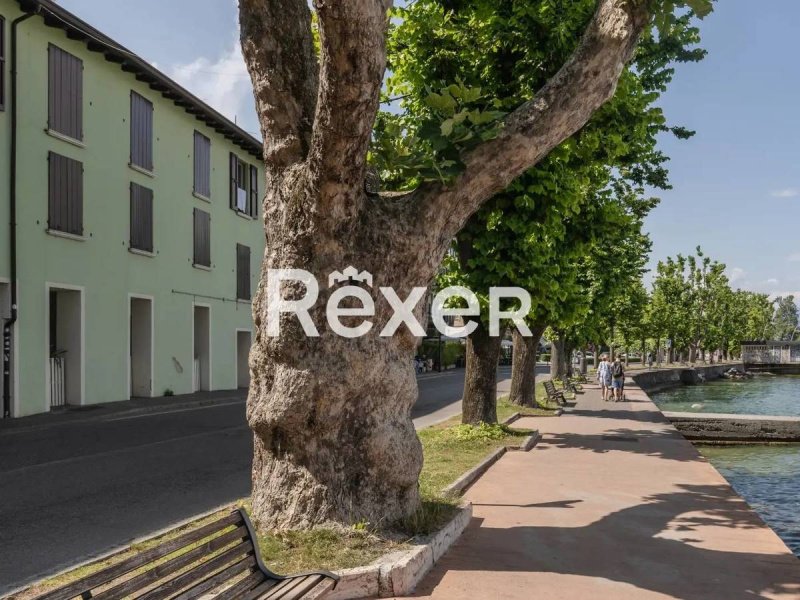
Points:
(725, 428)
(662, 379)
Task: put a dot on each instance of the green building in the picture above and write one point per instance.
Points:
(129, 223)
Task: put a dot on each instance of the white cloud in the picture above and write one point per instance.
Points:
(736, 274)
(786, 193)
(223, 83)
(794, 257)
(774, 295)
(772, 281)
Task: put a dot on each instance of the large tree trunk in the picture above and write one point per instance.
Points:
(523, 369)
(559, 363)
(331, 416)
(479, 404)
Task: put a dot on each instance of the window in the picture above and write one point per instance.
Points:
(242, 272)
(202, 165)
(65, 93)
(65, 194)
(141, 218)
(2, 63)
(244, 187)
(141, 132)
(202, 238)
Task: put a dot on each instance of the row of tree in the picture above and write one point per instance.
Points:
(569, 230)
(691, 313)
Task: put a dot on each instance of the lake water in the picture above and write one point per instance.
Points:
(768, 477)
(762, 395)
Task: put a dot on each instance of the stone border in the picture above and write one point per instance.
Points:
(517, 416)
(528, 443)
(399, 573)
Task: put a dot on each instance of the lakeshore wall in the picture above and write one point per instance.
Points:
(725, 428)
(662, 379)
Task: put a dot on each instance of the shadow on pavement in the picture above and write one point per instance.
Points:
(648, 546)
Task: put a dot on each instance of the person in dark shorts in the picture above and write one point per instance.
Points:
(617, 379)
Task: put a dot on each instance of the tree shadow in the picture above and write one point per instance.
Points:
(553, 504)
(643, 416)
(668, 444)
(645, 546)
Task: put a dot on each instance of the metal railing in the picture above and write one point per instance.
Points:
(58, 387)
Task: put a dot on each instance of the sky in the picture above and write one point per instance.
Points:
(736, 183)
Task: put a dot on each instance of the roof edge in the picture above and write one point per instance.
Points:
(96, 41)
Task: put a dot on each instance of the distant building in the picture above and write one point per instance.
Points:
(772, 356)
(135, 208)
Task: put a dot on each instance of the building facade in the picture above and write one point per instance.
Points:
(130, 235)
(773, 356)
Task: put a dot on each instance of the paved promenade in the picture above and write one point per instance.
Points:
(612, 503)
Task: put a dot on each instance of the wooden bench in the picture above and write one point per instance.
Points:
(571, 386)
(553, 393)
(220, 560)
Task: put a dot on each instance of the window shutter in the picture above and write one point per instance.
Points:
(253, 212)
(202, 238)
(234, 163)
(242, 272)
(65, 194)
(202, 165)
(64, 93)
(2, 63)
(141, 218)
(141, 132)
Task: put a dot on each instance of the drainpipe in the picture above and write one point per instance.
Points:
(8, 326)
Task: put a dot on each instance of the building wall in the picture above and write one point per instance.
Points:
(101, 265)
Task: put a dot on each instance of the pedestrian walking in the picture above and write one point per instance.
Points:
(618, 380)
(649, 360)
(604, 376)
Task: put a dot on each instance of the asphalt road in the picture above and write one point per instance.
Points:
(76, 490)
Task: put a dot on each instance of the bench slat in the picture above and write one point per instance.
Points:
(308, 584)
(97, 579)
(285, 588)
(214, 581)
(235, 591)
(194, 575)
(260, 590)
(151, 576)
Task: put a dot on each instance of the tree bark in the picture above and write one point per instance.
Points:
(479, 404)
(523, 367)
(331, 416)
(558, 360)
(583, 361)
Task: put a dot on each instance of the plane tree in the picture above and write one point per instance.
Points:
(333, 436)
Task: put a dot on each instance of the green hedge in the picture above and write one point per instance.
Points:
(544, 357)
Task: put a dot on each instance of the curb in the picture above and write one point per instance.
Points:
(527, 444)
(12, 427)
(467, 479)
(515, 417)
(399, 573)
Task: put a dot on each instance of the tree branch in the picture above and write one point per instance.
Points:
(557, 111)
(353, 61)
(278, 48)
